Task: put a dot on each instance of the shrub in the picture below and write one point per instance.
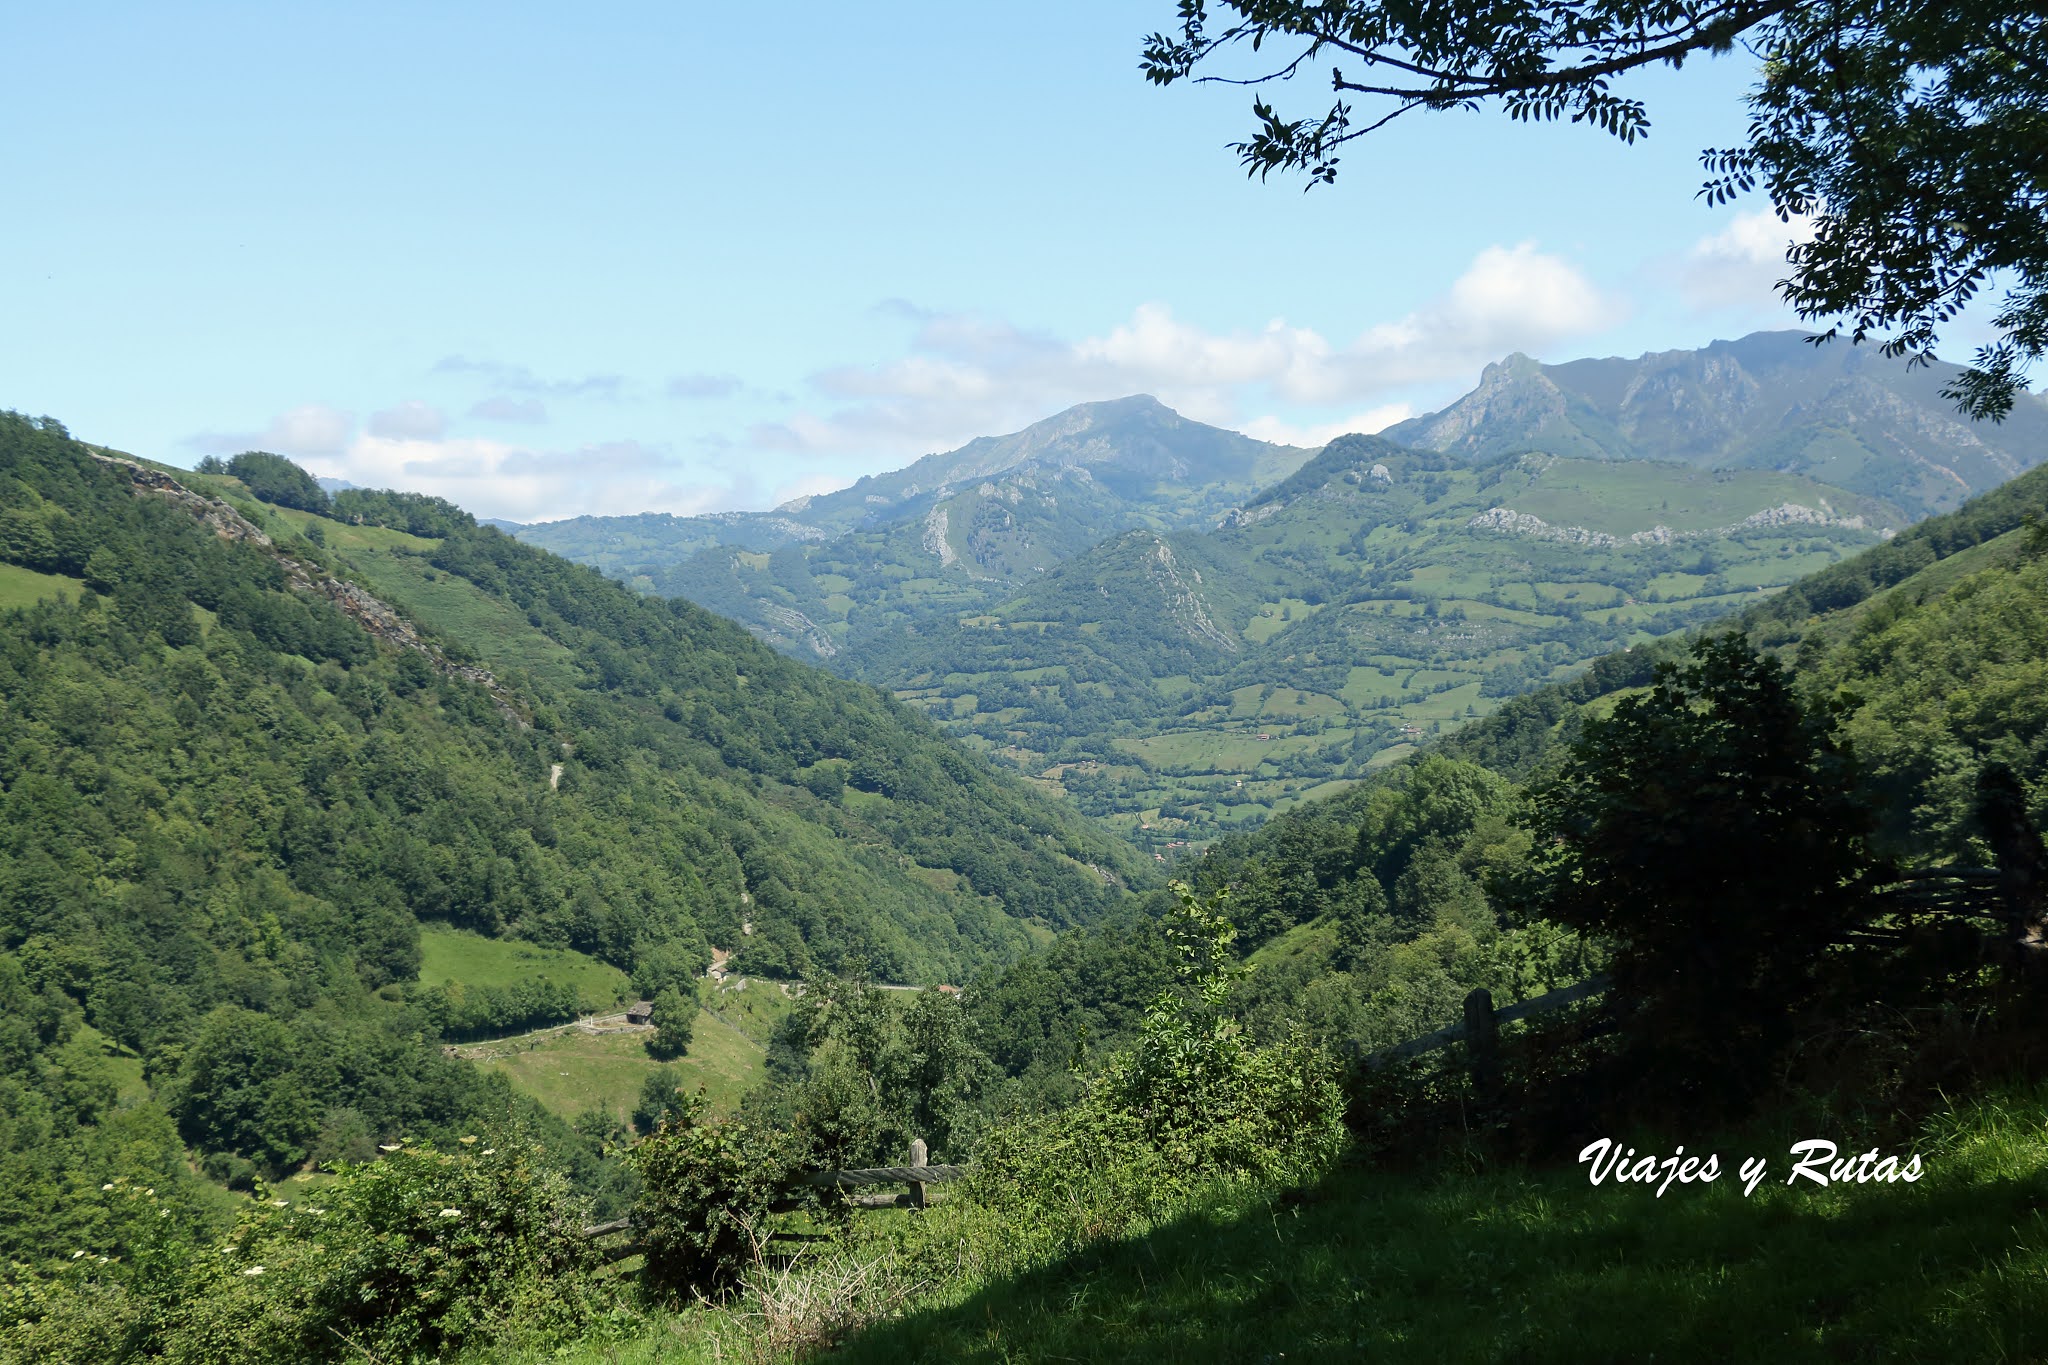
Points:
(1191, 1102)
(707, 1191)
(413, 1256)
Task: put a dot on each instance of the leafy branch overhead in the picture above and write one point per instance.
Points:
(1914, 135)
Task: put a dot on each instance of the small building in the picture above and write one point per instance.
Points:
(640, 1012)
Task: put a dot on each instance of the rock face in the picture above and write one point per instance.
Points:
(373, 614)
(1508, 522)
(1837, 413)
(1179, 586)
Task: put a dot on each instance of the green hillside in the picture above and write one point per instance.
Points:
(1182, 686)
(1304, 630)
(954, 531)
(1167, 1157)
(251, 751)
(1372, 911)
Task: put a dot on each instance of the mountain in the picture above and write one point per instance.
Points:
(950, 531)
(1183, 659)
(1841, 414)
(1179, 685)
(1372, 911)
(255, 755)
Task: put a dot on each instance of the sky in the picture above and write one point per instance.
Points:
(550, 260)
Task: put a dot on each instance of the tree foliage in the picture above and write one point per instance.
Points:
(275, 479)
(1713, 826)
(1913, 133)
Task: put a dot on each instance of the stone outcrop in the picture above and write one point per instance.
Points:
(370, 612)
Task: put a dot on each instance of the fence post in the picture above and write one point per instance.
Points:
(918, 1154)
(1482, 1046)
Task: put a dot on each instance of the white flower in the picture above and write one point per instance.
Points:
(451, 1213)
(467, 1141)
(282, 1203)
(254, 1270)
(76, 1254)
(488, 1150)
(387, 1147)
(108, 1186)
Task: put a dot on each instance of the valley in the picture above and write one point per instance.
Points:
(1180, 660)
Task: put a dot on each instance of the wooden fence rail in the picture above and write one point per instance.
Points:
(1481, 1024)
(1482, 1021)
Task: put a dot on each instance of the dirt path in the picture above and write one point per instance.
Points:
(486, 1049)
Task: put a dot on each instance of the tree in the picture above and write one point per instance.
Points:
(1914, 133)
(1711, 827)
(273, 478)
(661, 1094)
(674, 1018)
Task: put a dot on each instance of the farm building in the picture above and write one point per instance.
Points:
(640, 1011)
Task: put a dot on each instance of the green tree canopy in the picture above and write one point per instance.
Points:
(273, 478)
(1914, 133)
(1712, 827)
(675, 1018)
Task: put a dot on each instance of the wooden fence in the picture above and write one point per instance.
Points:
(1966, 892)
(916, 1172)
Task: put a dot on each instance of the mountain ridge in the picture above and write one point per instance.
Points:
(1773, 400)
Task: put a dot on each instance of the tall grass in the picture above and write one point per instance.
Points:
(1487, 1264)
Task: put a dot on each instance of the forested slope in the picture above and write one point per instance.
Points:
(240, 769)
(1371, 912)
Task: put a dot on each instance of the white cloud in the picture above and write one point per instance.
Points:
(703, 386)
(308, 430)
(1739, 267)
(411, 418)
(967, 376)
(1286, 433)
(529, 411)
(520, 379)
(500, 479)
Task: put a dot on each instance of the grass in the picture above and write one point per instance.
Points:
(455, 608)
(572, 1072)
(459, 955)
(1506, 1264)
(21, 587)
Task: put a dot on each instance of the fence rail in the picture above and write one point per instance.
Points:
(1482, 1020)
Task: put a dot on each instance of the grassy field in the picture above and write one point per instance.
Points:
(572, 1072)
(21, 587)
(458, 955)
(1506, 1264)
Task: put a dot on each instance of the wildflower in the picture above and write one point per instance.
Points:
(253, 1270)
(76, 1254)
(387, 1146)
(451, 1213)
(467, 1142)
(108, 1186)
(150, 1193)
(282, 1203)
(489, 1150)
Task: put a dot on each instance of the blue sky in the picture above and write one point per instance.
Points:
(553, 259)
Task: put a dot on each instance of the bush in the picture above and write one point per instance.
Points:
(1191, 1102)
(417, 1255)
(707, 1192)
